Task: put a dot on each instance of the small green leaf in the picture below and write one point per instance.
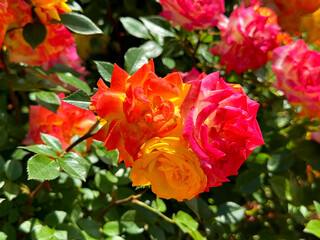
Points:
(134, 59)
(129, 224)
(10, 190)
(193, 205)
(108, 157)
(135, 27)
(44, 233)
(280, 162)
(111, 228)
(19, 154)
(74, 81)
(105, 69)
(13, 169)
(185, 221)
(63, 69)
(79, 99)
(91, 227)
(52, 142)
(151, 49)
(55, 218)
(281, 187)
(159, 205)
(79, 23)
(317, 206)
(80, 147)
(248, 181)
(230, 212)
(49, 100)
(34, 33)
(73, 164)
(2, 163)
(41, 149)
(313, 227)
(42, 168)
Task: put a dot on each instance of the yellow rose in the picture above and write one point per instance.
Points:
(170, 167)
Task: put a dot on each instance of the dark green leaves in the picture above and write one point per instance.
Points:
(230, 212)
(79, 23)
(34, 33)
(105, 69)
(74, 81)
(49, 100)
(79, 99)
(42, 168)
(73, 164)
(135, 27)
(134, 59)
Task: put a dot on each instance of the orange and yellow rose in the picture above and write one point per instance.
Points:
(170, 167)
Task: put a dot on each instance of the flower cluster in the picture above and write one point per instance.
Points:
(192, 14)
(180, 138)
(65, 124)
(247, 38)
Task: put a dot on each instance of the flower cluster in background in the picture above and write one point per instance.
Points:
(180, 138)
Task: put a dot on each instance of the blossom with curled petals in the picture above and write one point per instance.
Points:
(246, 38)
(220, 125)
(137, 108)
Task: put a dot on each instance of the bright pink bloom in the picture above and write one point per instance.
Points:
(66, 123)
(298, 75)
(220, 125)
(247, 37)
(192, 14)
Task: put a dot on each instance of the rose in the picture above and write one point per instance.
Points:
(298, 75)
(247, 38)
(220, 125)
(137, 108)
(192, 14)
(65, 124)
(172, 170)
(192, 75)
(50, 9)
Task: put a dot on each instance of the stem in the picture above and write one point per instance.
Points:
(142, 204)
(89, 134)
(32, 196)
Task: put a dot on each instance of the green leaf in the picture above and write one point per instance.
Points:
(3, 236)
(134, 59)
(168, 62)
(79, 23)
(111, 228)
(55, 218)
(158, 27)
(128, 222)
(229, 212)
(135, 27)
(49, 100)
(44, 233)
(313, 227)
(19, 154)
(317, 206)
(248, 181)
(10, 190)
(79, 99)
(280, 162)
(74, 81)
(281, 187)
(105, 69)
(42, 168)
(193, 205)
(187, 224)
(13, 169)
(34, 33)
(80, 147)
(151, 49)
(52, 142)
(91, 227)
(108, 157)
(73, 164)
(63, 69)
(159, 205)
(2, 163)
(41, 149)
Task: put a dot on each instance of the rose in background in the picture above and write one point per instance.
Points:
(65, 124)
(50, 9)
(247, 37)
(220, 126)
(192, 14)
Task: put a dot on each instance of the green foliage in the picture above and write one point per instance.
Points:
(79, 99)
(34, 33)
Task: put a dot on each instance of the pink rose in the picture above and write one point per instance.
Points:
(220, 125)
(298, 75)
(192, 75)
(192, 14)
(247, 37)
